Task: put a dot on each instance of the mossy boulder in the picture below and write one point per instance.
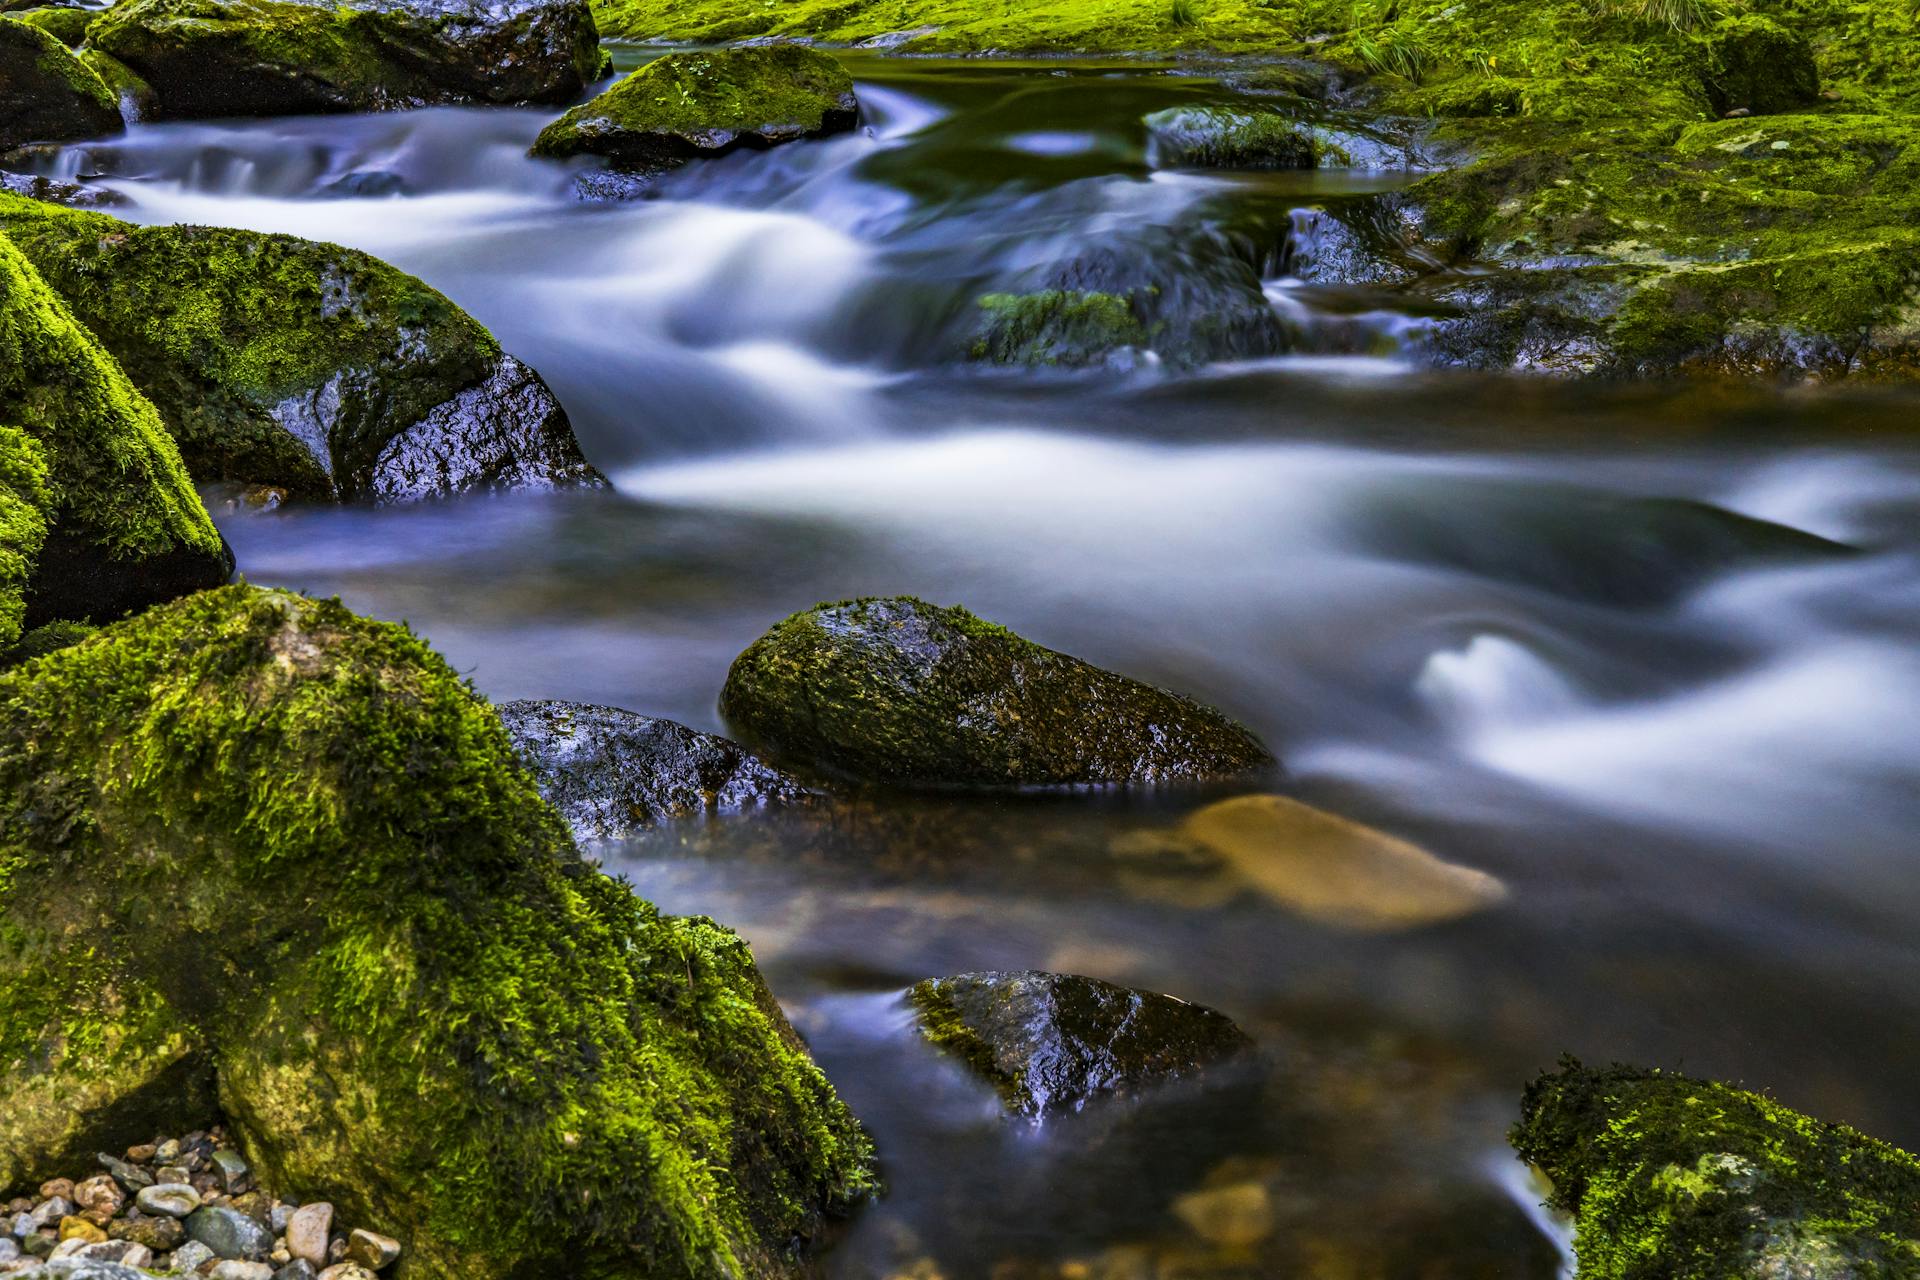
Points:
(299, 838)
(317, 369)
(47, 94)
(1750, 62)
(1231, 138)
(610, 772)
(1672, 1178)
(901, 691)
(1069, 328)
(285, 57)
(688, 106)
(1053, 1042)
(68, 26)
(97, 515)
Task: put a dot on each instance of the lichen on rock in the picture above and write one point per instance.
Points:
(1672, 1178)
(687, 106)
(901, 691)
(308, 836)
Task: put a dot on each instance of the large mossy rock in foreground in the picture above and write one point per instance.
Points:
(1679, 1179)
(898, 690)
(290, 57)
(299, 839)
(1052, 1042)
(47, 94)
(611, 772)
(302, 365)
(686, 106)
(97, 515)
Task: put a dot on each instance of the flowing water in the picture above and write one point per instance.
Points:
(1646, 654)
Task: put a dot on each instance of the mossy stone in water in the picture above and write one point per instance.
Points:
(99, 517)
(1065, 327)
(68, 26)
(1231, 138)
(303, 838)
(1673, 1178)
(686, 106)
(1052, 1042)
(47, 94)
(307, 366)
(898, 690)
(1752, 62)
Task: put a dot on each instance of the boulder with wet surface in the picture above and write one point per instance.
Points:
(47, 94)
(897, 690)
(1674, 1178)
(610, 772)
(689, 106)
(298, 838)
(313, 368)
(208, 58)
(1052, 1042)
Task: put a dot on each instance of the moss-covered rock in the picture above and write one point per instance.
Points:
(98, 517)
(314, 368)
(898, 690)
(303, 833)
(688, 106)
(1053, 1042)
(1672, 1178)
(68, 26)
(47, 94)
(283, 57)
(1231, 138)
(610, 772)
(1752, 63)
(1066, 327)
(134, 95)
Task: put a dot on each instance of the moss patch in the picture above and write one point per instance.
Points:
(1686, 1179)
(1055, 327)
(68, 26)
(47, 94)
(303, 832)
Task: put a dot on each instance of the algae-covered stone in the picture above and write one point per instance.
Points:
(1752, 62)
(304, 833)
(47, 94)
(610, 772)
(1672, 1178)
(687, 106)
(68, 26)
(317, 369)
(1231, 138)
(118, 525)
(898, 690)
(285, 57)
(1065, 327)
(1051, 1042)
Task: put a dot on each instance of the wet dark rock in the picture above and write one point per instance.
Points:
(1753, 63)
(47, 94)
(898, 690)
(610, 771)
(78, 195)
(689, 106)
(67, 25)
(207, 58)
(1689, 1179)
(1230, 138)
(1363, 242)
(1051, 1042)
(229, 1233)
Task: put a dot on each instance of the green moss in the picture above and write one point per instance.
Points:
(1055, 327)
(669, 110)
(898, 690)
(128, 89)
(68, 26)
(47, 94)
(23, 526)
(231, 332)
(125, 525)
(1233, 138)
(1680, 1179)
(308, 836)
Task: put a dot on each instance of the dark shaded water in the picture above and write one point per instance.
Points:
(1539, 630)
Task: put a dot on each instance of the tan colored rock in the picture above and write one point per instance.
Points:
(372, 1250)
(307, 1232)
(1234, 1216)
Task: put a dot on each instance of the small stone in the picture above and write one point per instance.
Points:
(20, 1204)
(132, 1177)
(168, 1151)
(235, 1176)
(22, 1225)
(175, 1174)
(190, 1257)
(308, 1229)
(57, 1189)
(100, 1192)
(78, 1228)
(142, 1154)
(108, 1251)
(241, 1271)
(39, 1244)
(337, 1249)
(67, 1248)
(229, 1233)
(298, 1269)
(168, 1199)
(9, 1249)
(49, 1212)
(279, 1216)
(346, 1271)
(156, 1233)
(1235, 1217)
(372, 1250)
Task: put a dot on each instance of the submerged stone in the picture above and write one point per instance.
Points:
(611, 772)
(1063, 327)
(1231, 138)
(898, 690)
(1672, 1178)
(688, 106)
(207, 58)
(47, 94)
(301, 836)
(1051, 1042)
(316, 369)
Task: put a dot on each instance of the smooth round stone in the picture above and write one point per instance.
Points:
(298, 1269)
(372, 1250)
(190, 1257)
(168, 1199)
(230, 1233)
(347, 1271)
(235, 1177)
(233, 1270)
(307, 1231)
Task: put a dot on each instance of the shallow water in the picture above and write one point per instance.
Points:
(1518, 623)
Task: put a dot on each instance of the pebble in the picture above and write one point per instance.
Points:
(48, 1212)
(241, 1271)
(298, 1269)
(9, 1250)
(346, 1271)
(57, 1189)
(308, 1228)
(235, 1177)
(190, 1257)
(172, 1199)
(230, 1233)
(74, 1228)
(100, 1194)
(372, 1250)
